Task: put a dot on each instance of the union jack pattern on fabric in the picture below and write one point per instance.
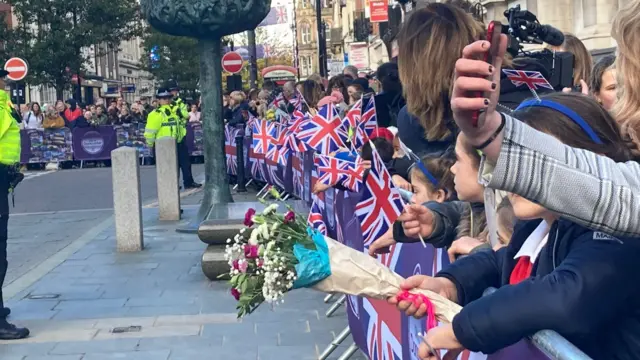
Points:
(353, 115)
(256, 161)
(533, 79)
(369, 119)
(332, 171)
(324, 131)
(264, 134)
(275, 173)
(298, 179)
(230, 150)
(281, 13)
(383, 330)
(353, 181)
(315, 219)
(380, 204)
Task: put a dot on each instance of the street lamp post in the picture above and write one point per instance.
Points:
(322, 42)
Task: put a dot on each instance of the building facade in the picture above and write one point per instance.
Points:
(307, 34)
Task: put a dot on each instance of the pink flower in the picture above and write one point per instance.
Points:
(236, 294)
(236, 264)
(250, 251)
(248, 217)
(259, 263)
(289, 217)
(243, 266)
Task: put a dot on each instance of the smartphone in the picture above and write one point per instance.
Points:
(493, 37)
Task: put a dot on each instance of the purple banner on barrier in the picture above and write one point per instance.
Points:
(195, 139)
(132, 135)
(42, 146)
(94, 143)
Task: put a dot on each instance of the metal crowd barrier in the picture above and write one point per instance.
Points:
(553, 344)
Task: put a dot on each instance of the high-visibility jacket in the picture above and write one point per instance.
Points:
(181, 112)
(162, 122)
(9, 132)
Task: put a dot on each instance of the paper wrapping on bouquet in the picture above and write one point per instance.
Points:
(132, 135)
(49, 145)
(94, 143)
(356, 273)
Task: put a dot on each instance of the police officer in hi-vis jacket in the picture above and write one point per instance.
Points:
(181, 111)
(10, 176)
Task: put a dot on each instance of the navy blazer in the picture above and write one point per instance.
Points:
(583, 286)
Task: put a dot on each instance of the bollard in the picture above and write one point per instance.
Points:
(127, 200)
(336, 305)
(167, 177)
(335, 343)
(240, 185)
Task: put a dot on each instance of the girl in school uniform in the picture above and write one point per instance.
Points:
(554, 274)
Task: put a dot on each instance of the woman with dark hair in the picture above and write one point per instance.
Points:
(339, 83)
(389, 100)
(429, 42)
(603, 82)
(312, 93)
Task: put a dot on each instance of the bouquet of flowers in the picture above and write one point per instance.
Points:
(279, 252)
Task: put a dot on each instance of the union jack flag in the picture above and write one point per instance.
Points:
(297, 101)
(264, 134)
(369, 119)
(381, 203)
(533, 79)
(353, 180)
(332, 171)
(281, 13)
(298, 176)
(256, 161)
(353, 115)
(275, 173)
(315, 219)
(383, 330)
(230, 150)
(324, 131)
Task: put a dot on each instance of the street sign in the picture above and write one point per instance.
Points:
(379, 10)
(232, 62)
(17, 69)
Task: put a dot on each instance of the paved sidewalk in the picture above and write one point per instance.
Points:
(174, 312)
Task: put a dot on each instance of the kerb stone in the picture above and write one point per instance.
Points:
(127, 200)
(168, 188)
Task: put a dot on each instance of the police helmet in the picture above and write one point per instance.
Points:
(163, 93)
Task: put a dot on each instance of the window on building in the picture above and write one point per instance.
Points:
(309, 69)
(303, 65)
(327, 30)
(305, 4)
(305, 33)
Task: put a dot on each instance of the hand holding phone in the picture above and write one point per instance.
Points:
(493, 37)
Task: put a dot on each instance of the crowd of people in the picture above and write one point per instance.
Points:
(71, 114)
(558, 173)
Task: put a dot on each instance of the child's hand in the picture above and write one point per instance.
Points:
(440, 338)
(400, 182)
(318, 188)
(462, 246)
(417, 220)
(441, 286)
(381, 246)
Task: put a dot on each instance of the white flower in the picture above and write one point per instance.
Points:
(243, 230)
(253, 240)
(270, 209)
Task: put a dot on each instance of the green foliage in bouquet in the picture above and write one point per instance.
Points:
(261, 256)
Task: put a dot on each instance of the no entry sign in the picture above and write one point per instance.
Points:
(232, 62)
(17, 69)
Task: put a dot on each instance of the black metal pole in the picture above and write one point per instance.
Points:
(240, 160)
(322, 54)
(253, 64)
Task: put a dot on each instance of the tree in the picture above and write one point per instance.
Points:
(208, 21)
(53, 34)
(169, 57)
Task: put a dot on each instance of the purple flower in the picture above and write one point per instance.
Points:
(248, 217)
(236, 294)
(250, 251)
(289, 217)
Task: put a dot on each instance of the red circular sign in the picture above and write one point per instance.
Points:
(17, 69)
(232, 62)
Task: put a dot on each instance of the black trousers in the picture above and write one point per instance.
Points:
(4, 223)
(184, 162)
